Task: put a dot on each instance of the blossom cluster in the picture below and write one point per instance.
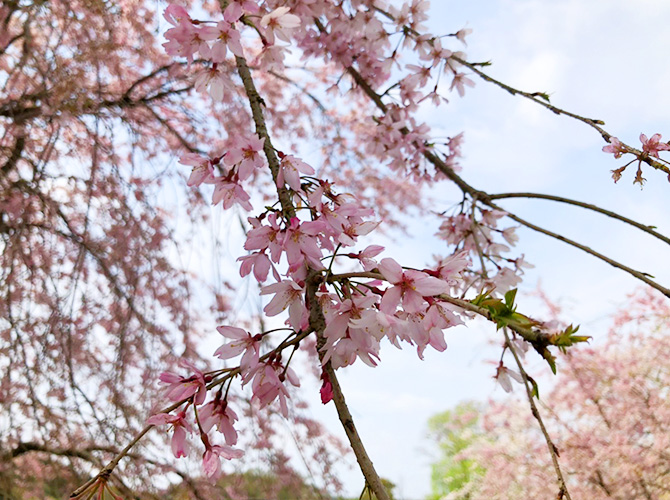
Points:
(651, 147)
(213, 42)
(382, 300)
(480, 240)
(305, 244)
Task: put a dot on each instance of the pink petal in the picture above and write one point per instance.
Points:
(391, 270)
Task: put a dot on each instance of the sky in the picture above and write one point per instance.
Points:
(605, 59)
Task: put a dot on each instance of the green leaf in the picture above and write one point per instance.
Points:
(509, 298)
(536, 389)
(551, 360)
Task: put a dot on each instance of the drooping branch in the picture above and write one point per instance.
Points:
(538, 98)
(317, 321)
(553, 451)
(106, 471)
(484, 197)
(588, 206)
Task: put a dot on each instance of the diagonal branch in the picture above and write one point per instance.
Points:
(484, 197)
(588, 206)
(537, 98)
(553, 451)
(317, 320)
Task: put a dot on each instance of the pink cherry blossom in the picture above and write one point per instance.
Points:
(246, 154)
(202, 169)
(266, 237)
(346, 336)
(288, 294)
(300, 243)
(241, 342)
(615, 147)
(462, 33)
(180, 388)
(175, 14)
(410, 286)
(280, 23)
(230, 193)
(227, 38)
(367, 254)
(218, 413)
(268, 385)
(211, 459)
(459, 82)
(258, 262)
(179, 425)
(504, 376)
(213, 81)
(653, 145)
(290, 169)
(326, 390)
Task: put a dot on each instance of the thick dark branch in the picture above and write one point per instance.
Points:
(257, 103)
(317, 321)
(15, 155)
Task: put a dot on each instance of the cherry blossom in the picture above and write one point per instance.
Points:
(280, 23)
(653, 145)
(181, 388)
(179, 429)
(615, 147)
(227, 38)
(242, 343)
(504, 376)
(409, 286)
(211, 459)
(213, 81)
(288, 294)
(218, 413)
(290, 169)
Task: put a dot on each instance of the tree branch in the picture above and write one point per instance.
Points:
(588, 206)
(553, 451)
(484, 197)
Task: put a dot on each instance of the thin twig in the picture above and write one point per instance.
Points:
(553, 450)
(588, 206)
(591, 122)
(233, 372)
(639, 275)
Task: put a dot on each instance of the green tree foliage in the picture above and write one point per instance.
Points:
(454, 431)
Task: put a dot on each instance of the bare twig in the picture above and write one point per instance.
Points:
(553, 451)
(588, 206)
